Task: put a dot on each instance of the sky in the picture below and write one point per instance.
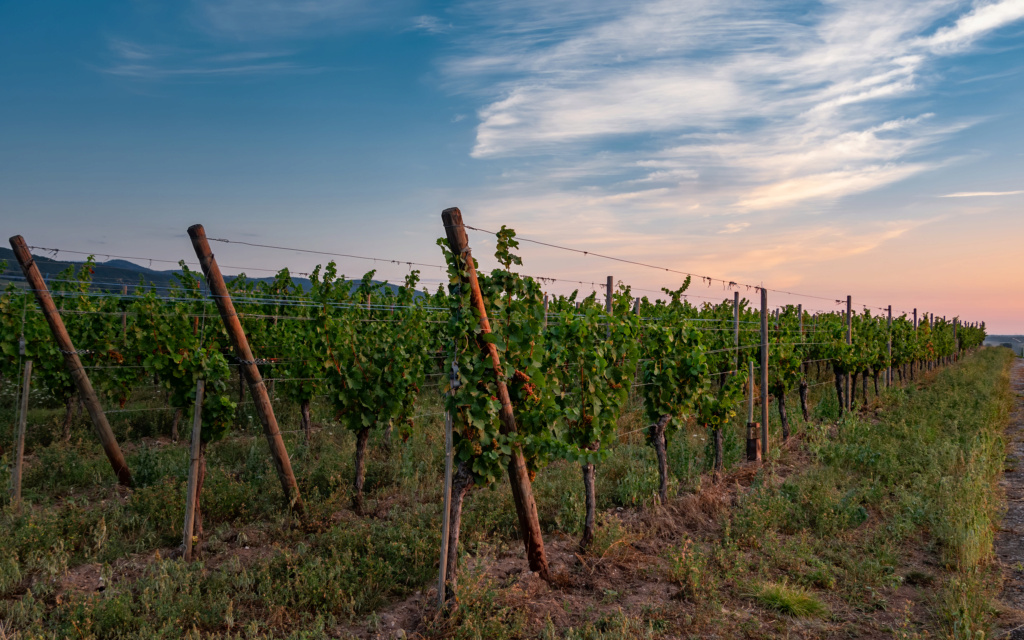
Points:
(864, 148)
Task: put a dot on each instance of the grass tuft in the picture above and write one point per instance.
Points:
(789, 600)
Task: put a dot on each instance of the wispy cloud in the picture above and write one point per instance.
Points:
(981, 194)
(744, 106)
(430, 24)
(133, 60)
(259, 19)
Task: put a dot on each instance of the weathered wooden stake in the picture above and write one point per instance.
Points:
(888, 346)
(608, 306)
(73, 362)
(849, 340)
(736, 328)
(764, 373)
(19, 445)
(447, 497)
(519, 478)
(124, 317)
(247, 365)
(193, 472)
(753, 429)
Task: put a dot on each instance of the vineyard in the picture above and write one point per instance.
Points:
(360, 434)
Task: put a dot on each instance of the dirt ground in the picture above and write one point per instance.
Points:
(1010, 537)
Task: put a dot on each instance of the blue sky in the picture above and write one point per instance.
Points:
(869, 148)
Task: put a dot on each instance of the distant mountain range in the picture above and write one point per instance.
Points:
(114, 274)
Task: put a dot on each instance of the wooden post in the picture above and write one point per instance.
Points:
(545, 311)
(193, 471)
(736, 328)
(257, 389)
(956, 347)
(73, 362)
(764, 373)
(447, 497)
(849, 341)
(888, 346)
(124, 316)
(753, 429)
(19, 445)
(519, 478)
(636, 306)
(608, 306)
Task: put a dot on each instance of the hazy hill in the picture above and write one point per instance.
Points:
(114, 274)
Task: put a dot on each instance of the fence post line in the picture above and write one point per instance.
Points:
(19, 445)
(247, 365)
(888, 346)
(73, 362)
(519, 478)
(849, 341)
(193, 471)
(764, 373)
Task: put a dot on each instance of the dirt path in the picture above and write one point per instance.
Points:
(1010, 537)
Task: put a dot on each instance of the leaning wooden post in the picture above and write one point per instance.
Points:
(888, 347)
(247, 365)
(193, 472)
(73, 362)
(519, 478)
(19, 445)
(764, 373)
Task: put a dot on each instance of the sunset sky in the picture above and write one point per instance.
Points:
(857, 147)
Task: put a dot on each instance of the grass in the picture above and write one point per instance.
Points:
(824, 534)
(788, 600)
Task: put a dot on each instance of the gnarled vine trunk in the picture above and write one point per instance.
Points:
(590, 500)
(719, 449)
(877, 373)
(69, 416)
(660, 445)
(462, 480)
(803, 401)
(840, 387)
(780, 399)
(357, 497)
(307, 424)
(174, 424)
(197, 524)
